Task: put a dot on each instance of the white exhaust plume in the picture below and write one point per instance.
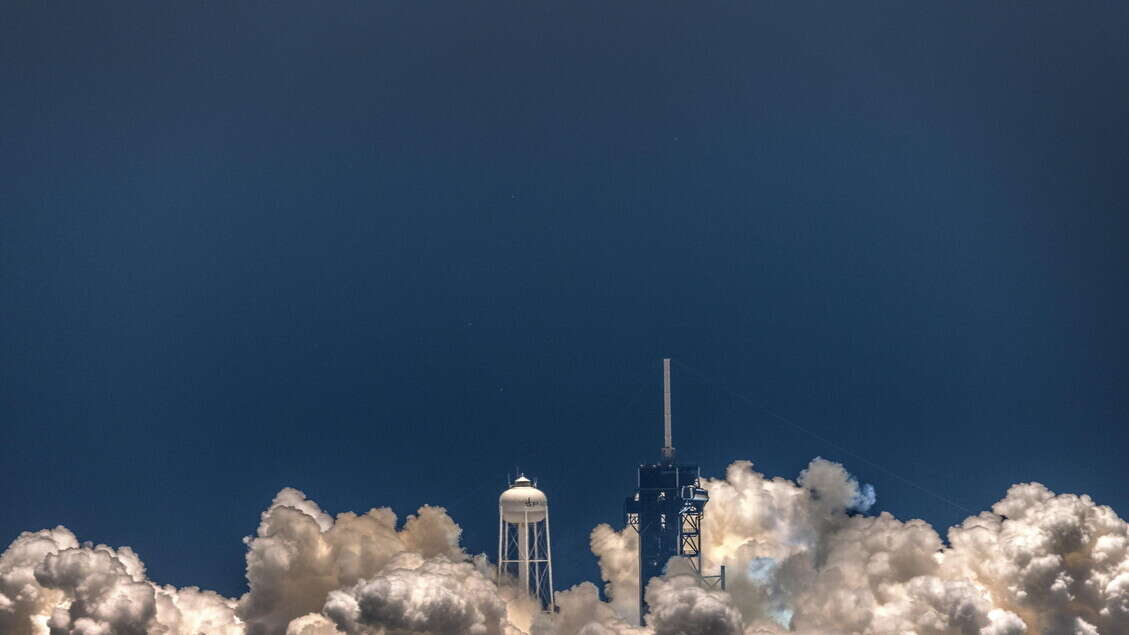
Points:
(417, 595)
(618, 554)
(797, 558)
(679, 605)
(49, 583)
(583, 613)
(301, 554)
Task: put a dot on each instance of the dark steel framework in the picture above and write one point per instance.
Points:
(666, 511)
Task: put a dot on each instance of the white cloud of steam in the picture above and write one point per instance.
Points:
(50, 583)
(798, 560)
(581, 612)
(312, 624)
(680, 605)
(617, 552)
(300, 554)
(414, 594)
(1037, 563)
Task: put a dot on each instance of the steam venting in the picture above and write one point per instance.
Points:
(802, 557)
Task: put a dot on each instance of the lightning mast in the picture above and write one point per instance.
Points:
(668, 448)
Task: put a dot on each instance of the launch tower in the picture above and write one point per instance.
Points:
(666, 510)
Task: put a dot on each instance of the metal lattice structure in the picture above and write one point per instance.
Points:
(666, 511)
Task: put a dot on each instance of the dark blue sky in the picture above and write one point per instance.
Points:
(384, 251)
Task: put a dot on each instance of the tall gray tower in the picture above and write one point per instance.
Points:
(666, 509)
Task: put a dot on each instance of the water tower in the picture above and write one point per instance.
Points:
(523, 540)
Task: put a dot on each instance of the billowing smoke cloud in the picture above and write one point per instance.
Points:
(617, 552)
(799, 560)
(800, 557)
(417, 595)
(49, 583)
(300, 554)
(680, 605)
(581, 612)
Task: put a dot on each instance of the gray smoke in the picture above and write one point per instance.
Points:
(798, 557)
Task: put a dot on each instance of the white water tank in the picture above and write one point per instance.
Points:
(523, 503)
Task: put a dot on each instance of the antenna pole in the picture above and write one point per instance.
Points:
(668, 447)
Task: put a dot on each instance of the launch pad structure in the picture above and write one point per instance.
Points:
(666, 511)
